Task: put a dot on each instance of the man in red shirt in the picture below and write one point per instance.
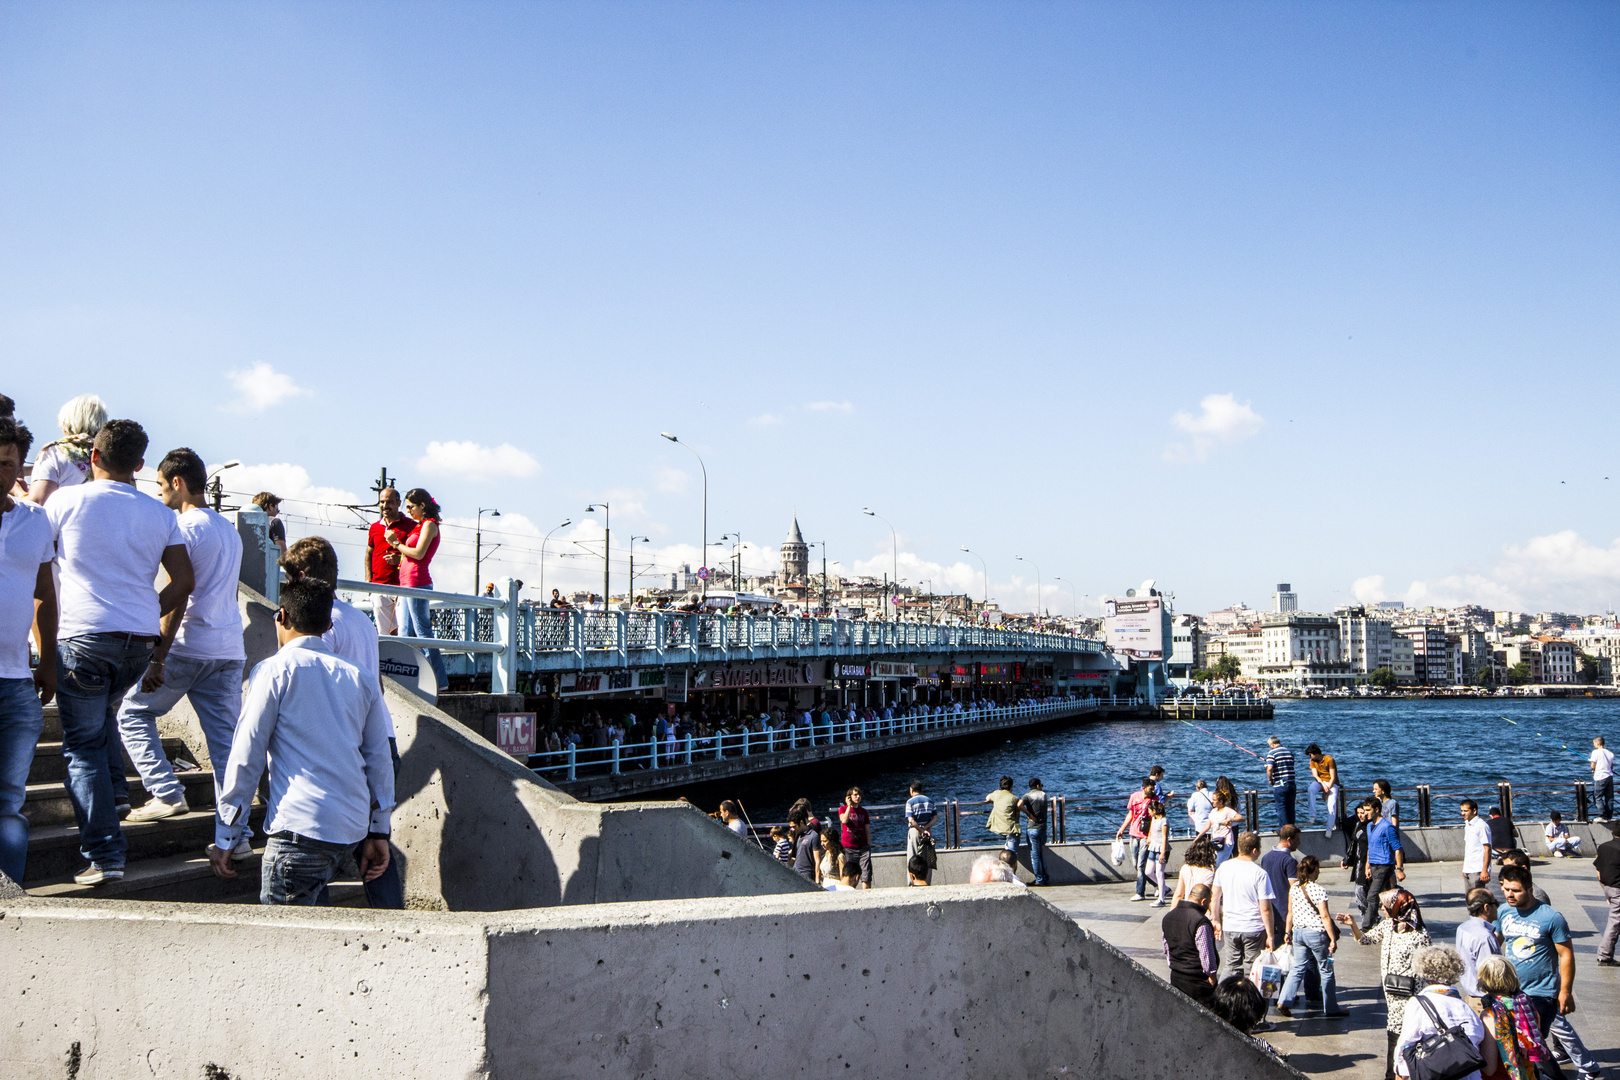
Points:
(1136, 820)
(382, 561)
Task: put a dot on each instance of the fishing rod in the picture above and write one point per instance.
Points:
(752, 832)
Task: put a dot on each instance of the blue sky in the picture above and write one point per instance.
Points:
(1217, 294)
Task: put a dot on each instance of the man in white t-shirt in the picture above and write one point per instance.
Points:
(204, 665)
(110, 542)
(1476, 867)
(27, 603)
(1240, 909)
(1602, 762)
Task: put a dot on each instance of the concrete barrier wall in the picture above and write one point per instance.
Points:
(960, 982)
(1089, 864)
(478, 832)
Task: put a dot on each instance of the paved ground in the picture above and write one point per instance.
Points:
(1353, 1049)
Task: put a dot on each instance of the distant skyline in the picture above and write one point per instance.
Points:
(1219, 296)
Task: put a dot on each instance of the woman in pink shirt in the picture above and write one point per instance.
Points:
(415, 553)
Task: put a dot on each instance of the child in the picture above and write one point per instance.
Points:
(1158, 846)
(784, 845)
(1559, 842)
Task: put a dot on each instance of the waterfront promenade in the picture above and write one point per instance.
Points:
(1353, 1049)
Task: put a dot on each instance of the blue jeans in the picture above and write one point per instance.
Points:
(1139, 856)
(21, 721)
(215, 690)
(93, 673)
(296, 871)
(414, 622)
(1283, 795)
(1308, 944)
(1037, 853)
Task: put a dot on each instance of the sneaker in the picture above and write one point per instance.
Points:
(157, 809)
(1137, 897)
(1158, 903)
(1340, 1015)
(123, 808)
(1610, 962)
(96, 875)
(242, 850)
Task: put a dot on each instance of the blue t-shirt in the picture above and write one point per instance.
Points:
(1383, 841)
(920, 808)
(1528, 940)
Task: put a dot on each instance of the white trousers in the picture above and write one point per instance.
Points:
(385, 608)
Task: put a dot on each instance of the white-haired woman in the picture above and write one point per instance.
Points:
(1438, 967)
(67, 462)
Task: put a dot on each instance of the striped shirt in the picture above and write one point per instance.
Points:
(1281, 763)
(920, 808)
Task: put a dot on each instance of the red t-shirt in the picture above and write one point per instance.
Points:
(381, 571)
(1136, 807)
(857, 831)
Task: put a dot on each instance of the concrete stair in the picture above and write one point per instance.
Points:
(166, 858)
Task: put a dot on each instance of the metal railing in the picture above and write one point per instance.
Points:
(525, 637)
(562, 766)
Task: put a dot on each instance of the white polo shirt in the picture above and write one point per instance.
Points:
(1476, 837)
(1603, 758)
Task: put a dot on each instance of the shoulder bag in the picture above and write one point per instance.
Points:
(1448, 1054)
(1401, 986)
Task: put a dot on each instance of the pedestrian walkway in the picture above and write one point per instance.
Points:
(1353, 1049)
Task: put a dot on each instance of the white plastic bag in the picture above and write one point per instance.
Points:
(1268, 973)
(1118, 852)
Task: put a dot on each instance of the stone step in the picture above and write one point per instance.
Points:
(53, 724)
(184, 879)
(48, 804)
(50, 764)
(53, 850)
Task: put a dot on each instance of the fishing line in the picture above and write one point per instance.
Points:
(1227, 741)
(1550, 739)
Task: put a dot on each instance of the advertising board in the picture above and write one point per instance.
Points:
(1134, 627)
(514, 734)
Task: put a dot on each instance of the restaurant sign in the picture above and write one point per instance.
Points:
(886, 669)
(850, 671)
(576, 684)
(757, 677)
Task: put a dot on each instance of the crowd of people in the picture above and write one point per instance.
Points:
(81, 554)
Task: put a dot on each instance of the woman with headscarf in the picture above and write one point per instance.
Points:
(67, 462)
(1399, 934)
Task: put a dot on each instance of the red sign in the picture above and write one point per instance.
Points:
(514, 734)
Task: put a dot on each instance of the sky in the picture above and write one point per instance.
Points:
(1219, 295)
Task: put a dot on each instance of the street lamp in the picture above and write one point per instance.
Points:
(703, 552)
(736, 558)
(1032, 562)
(823, 544)
(215, 487)
(478, 544)
(633, 540)
(894, 546)
(544, 597)
(607, 544)
(976, 555)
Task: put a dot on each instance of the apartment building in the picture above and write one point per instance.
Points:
(1432, 664)
(1560, 661)
(1403, 659)
(1365, 642)
(1302, 651)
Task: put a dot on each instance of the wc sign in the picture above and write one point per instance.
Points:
(514, 733)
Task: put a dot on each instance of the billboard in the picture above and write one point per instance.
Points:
(1134, 627)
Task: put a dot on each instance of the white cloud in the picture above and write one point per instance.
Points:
(845, 407)
(671, 481)
(473, 461)
(1557, 572)
(261, 387)
(765, 420)
(1220, 420)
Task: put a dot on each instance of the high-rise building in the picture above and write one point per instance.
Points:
(1284, 599)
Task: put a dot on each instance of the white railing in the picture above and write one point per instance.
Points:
(522, 636)
(671, 752)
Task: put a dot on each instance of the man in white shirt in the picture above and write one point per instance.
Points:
(321, 724)
(1199, 805)
(1602, 762)
(1476, 867)
(205, 662)
(110, 542)
(1240, 909)
(27, 602)
(353, 637)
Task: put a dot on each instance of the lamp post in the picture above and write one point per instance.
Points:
(544, 599)
(1032, 562)
(215, 487)
(607, 544)
(703, 552)
(894, 547)
(976, 555)
(478, 544)
(736, 558)
(633, 540)
(823, 544)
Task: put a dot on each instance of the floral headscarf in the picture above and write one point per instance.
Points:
(1402, 908)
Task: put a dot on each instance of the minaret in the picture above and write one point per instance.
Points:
(795, 557)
